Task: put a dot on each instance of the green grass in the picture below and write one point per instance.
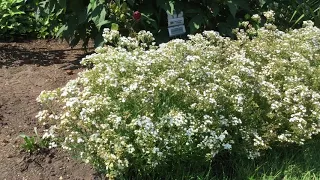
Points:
(286, 163)
(292, 162)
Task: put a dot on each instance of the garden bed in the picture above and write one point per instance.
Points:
(27, 68)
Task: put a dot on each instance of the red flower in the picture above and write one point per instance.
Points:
(137, 15)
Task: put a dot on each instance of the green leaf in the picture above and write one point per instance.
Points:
(195, 23)
(114, 26)
(15, 11)
(146, 19)
(295, 13)
(98, 14)
(70, 28)
(124, 7)
(82, 17)
(74, 41)
(262, 2)
(171, 4)
(62, 29)
(215, 10)
(102, 15)
(102, 23)
(168, 6)
(91, 6)
(196, 26)
(232, 8)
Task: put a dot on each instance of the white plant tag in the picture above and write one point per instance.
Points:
(176, 30)
(176, 24)
(175, 21)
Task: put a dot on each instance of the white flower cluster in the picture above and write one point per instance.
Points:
(144, 40)
(140, 108)
(269, 15)
(256, 18)
(110, 36)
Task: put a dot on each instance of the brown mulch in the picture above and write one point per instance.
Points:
(26, 69)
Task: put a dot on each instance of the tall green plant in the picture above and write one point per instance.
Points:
(291, 13)
(307, 9)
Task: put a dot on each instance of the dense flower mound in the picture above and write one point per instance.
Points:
(142, 106)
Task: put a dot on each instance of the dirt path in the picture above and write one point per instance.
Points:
(26, 69)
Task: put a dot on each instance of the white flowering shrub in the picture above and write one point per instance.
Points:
(143, 106)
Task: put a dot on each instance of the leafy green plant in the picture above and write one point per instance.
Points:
(34, 143)
(14, 19)
(307, 10)
(47, 27)
(291, 13)
(29, 143)
(20, 18)
(222, 16)
(144, 107)
(84, 19)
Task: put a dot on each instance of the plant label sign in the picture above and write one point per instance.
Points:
(176, 30)
(176, 24)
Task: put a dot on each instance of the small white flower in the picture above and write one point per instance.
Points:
(80, 140)
(226, 146)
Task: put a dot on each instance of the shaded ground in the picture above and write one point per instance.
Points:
(27, 68)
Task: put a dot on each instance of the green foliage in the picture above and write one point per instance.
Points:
(29, 143)
(291, 162)
(143, 107)
(14, 19)
(19, 18)
(291, 13)
(199, 15)
(307, 10)
(34, 143)
(86, 19)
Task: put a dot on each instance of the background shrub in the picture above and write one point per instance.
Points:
(14, 19)
(143, 107)
(19, 19)
(84, 19)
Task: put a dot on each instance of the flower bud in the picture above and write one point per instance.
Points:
(137, 15)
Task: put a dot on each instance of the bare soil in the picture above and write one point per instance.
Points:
(26, 69)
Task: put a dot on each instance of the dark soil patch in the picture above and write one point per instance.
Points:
(26, 69)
